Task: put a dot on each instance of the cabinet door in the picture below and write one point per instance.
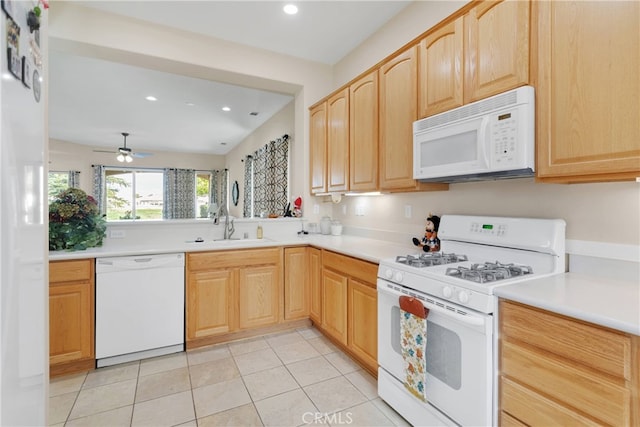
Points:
(258, 296)
(363, 135)
(315, 284)
(71, 322)
(334, 305)
(363, 322)
(497, 48)
(398, 111)
(338, 141)
(296, 283)
(588, 91)
(209, 309)
(441, 74)
(318, 148)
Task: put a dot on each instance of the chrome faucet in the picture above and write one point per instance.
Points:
(228, 226)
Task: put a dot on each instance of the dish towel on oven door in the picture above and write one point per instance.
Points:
(413, 337)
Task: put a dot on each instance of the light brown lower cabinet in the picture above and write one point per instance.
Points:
(296, 283)
(315, 285)
(555, 370)
(71, 316)
(231, 291)
(350, 307)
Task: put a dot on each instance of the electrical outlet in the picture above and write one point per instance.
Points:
(117, 234)
(316, 208)
(407, 211)
(344, 209)
(359, 210)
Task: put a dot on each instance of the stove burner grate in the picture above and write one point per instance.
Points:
(489, 271)
(429, 259)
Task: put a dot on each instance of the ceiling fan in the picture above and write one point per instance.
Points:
(125, 154)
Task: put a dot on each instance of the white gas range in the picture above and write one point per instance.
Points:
(456, 286)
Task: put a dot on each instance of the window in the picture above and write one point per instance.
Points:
(57, 182)
(203, 193)
(134, 194)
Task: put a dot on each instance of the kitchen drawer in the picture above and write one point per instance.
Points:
(521, 406)
(599, 396)
(232, 259)
(70, 271)
(599, 348)
(362, 270)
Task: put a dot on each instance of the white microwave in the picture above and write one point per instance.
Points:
(489, 139)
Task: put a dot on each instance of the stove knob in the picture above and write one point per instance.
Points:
(388, 273)
(463, 297)
(399, 277)
(447, 292)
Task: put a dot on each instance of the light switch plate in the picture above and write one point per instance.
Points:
(359, 210)
(407, 211)
(316, 208)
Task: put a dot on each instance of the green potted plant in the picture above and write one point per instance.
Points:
(75, 223)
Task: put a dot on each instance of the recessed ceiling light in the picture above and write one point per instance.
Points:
(151, 98)
(190, 104)
(226, 109)
(290, 9)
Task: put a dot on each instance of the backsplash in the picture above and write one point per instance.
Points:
(149, 233)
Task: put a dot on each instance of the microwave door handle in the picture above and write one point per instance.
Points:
(484, 140)
(468, 319)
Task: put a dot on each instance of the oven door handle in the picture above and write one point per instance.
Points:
(469, 319)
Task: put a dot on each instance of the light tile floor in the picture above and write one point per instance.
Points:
(291, 378)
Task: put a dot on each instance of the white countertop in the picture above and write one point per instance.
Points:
(359, 247)
(606, 302)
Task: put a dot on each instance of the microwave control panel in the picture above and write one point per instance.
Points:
(503, 136)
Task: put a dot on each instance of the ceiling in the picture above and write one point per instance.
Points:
(92, 101)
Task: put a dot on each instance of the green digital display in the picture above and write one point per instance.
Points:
(487, 227)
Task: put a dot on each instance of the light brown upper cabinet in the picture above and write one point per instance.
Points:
(398, 110)
(497, 48)
(338, 141)
(588, 91)
(318, 148)
(441, 64)
(363, 133)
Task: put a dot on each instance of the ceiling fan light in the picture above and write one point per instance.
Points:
(128, 158)
(120, 157)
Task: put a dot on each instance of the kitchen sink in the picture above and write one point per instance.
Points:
(225, 242)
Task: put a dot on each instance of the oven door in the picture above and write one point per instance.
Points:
(459, 354)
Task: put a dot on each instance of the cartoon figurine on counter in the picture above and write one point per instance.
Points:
(430, 241)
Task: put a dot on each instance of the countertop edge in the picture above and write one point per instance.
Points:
(544, 295)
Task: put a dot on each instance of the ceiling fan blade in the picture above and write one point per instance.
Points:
(141, 155)
(104, 151)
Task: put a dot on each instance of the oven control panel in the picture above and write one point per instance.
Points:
(465, 296)
(491, 229)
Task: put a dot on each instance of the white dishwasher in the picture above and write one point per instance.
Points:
(139, 307)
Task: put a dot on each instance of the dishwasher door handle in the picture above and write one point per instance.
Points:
(114, 264)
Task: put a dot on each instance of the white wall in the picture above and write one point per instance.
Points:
(281, 123)
(605, 212)
(106, 36)
(65, 156)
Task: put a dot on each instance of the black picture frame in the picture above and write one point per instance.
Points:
(8, 7)
(235, 193)
(14, 60)
(26, 72)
